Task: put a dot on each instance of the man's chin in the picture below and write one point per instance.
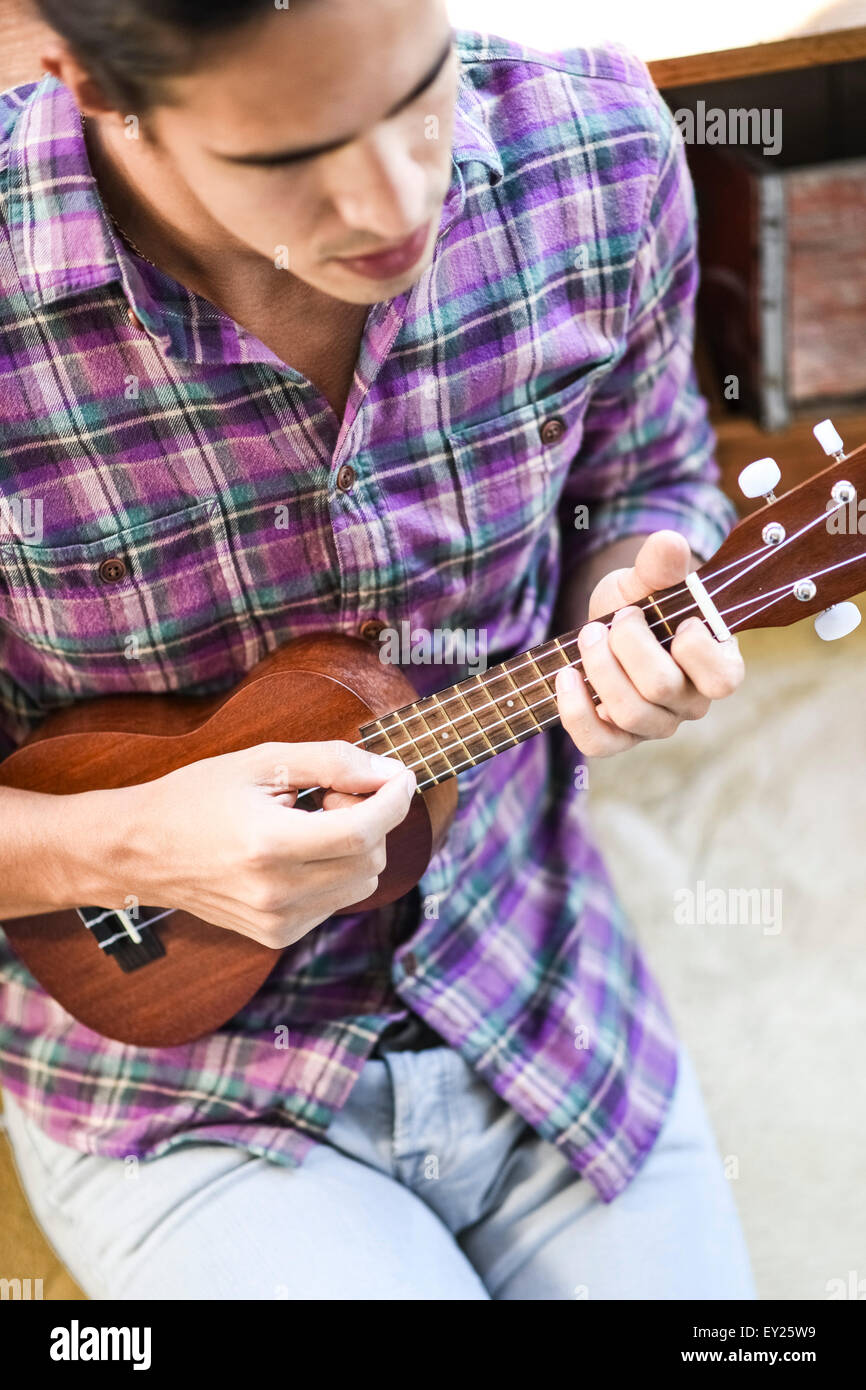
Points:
(349, 284)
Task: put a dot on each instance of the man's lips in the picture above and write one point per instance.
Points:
(382, 265)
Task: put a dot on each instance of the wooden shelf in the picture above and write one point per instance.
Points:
(795, 449)
(806, 51)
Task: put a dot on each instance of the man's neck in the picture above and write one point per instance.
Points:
(158, 215)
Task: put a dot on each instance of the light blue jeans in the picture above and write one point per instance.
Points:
(429, 1187)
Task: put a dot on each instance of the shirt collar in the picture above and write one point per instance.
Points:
(63, 241)
(471, 143)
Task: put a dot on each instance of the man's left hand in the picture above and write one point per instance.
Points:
(645, 690)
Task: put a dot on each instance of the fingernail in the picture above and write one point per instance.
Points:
(410, 783)
(622, 613)
(589, 635)
(566, 679)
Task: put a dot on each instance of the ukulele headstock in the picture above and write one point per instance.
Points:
(802, 553)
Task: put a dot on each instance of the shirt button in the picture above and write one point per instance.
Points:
(410, 963)
(346, 478)
(552, 430)
(371, 629)
(134, 319)
(113, 570)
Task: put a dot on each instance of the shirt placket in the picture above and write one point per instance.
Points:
(367, 558)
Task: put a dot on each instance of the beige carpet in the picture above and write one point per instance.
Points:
(768, 792)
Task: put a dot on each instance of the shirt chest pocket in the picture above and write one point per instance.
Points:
(153, 607)
(510, 472)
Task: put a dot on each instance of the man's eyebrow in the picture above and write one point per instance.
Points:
(291, 156)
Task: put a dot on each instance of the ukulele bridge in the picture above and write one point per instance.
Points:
(130, 944)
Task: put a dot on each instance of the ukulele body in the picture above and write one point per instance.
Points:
(315, 688)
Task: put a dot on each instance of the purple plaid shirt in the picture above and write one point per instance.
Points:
(138, 421)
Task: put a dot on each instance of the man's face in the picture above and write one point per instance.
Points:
(323, 73)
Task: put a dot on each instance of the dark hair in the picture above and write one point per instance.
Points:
(129, 47)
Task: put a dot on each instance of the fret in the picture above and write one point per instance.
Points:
(485, 715)
(419, 733)
(443, 754)
(473, 740)
(541, 695)
(377, 741)
(571, 637)
(502, 730)
(653, 613)
(496, 704)
(391, 741)
(516, 703)
(665, 611)
(387, 745)
(510, 707)
(565, 660)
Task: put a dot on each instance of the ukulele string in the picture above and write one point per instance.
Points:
(562, 644)
(776, 595)
(552, 719)
(762, 555)
(491, 704)
(775, 549)
(542, 680)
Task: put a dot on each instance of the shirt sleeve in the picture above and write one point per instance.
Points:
(647, 457)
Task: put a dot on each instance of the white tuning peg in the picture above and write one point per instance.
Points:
(830, 439)
(837, 621)
(758, 479)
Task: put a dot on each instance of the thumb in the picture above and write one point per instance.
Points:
(342, 766)
(664, 559)
(334, 801)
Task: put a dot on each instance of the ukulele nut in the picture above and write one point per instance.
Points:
(773, 533)
(804, 590)
(843, 492)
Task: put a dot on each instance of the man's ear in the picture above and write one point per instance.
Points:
(59, 61)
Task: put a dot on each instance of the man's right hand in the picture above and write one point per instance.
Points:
(222, 839)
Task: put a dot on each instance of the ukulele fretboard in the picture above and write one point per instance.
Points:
(463, 725)
(467, 723)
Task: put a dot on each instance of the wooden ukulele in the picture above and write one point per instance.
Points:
(161, 977)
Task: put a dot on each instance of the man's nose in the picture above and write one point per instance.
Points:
(379, 187)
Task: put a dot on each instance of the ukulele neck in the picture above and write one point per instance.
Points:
(444, 734)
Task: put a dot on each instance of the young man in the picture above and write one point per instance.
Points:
(324, 318)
